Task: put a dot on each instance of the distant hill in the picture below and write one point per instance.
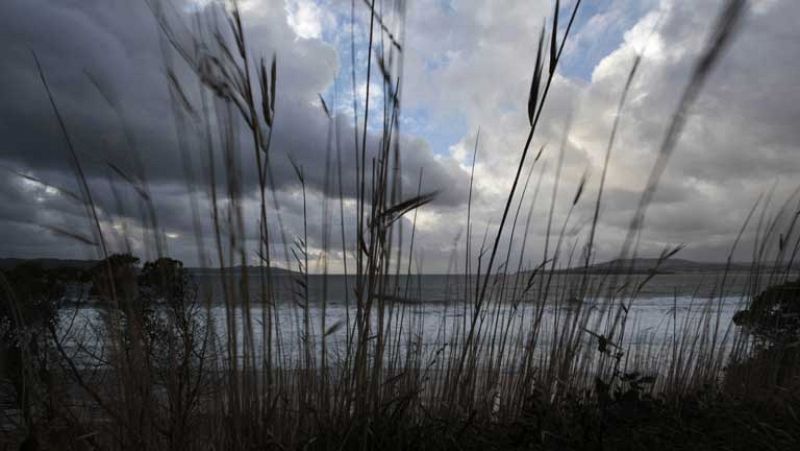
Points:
(670, 266)
(636, 266)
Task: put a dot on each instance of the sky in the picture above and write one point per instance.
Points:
(467, 66)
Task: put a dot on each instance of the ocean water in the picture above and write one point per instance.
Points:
(431, 312)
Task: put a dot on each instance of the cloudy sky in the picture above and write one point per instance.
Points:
(467, 67)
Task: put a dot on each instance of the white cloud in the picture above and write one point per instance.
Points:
(739, 136)
(306, 18)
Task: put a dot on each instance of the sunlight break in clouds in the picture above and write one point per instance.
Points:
(305, 17)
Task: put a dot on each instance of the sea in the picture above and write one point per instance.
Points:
(433, 311)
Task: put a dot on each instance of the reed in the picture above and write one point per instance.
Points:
(523, 355)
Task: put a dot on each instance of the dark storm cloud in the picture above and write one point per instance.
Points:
(117, 47)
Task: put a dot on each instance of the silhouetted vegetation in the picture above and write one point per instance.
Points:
(30, 297)
(774, 314)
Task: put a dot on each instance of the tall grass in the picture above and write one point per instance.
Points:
(188, 375)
